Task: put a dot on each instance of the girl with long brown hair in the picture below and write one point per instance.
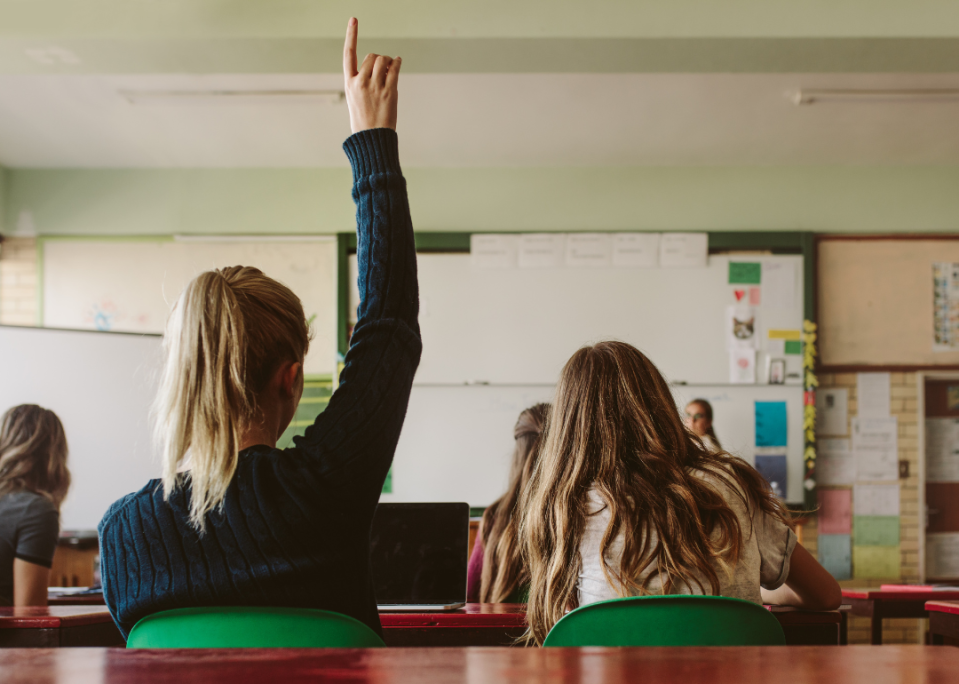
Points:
(497, 572)
(626, 501)
(34, 480)
(235, 520)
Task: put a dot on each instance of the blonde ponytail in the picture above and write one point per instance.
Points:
(227, 333)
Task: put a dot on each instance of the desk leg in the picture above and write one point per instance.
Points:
(877, 623)
(843, 628)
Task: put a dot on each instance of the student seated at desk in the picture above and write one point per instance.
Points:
(699, 419)
(496, 572)
(236, 521)
(626, 502)
(34, 480)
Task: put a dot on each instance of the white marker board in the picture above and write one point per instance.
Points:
(101, 386)
(130, 285)
(457, 441)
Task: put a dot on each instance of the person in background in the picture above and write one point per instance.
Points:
(625, 501)
(699, 419)
(34, 479)
(497, 573)
(234, 520)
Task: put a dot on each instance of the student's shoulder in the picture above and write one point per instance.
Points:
(27, 503)
(118, 508)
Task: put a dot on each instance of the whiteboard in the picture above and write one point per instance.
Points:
(101, 386)
(457, 441)
(520, 326)
(130, 285)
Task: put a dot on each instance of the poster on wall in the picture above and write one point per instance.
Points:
(945, 306)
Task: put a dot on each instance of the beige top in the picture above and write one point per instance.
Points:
(764, 561)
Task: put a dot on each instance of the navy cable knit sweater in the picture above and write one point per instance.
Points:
(295, 525)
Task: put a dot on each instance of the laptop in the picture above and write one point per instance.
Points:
(418, 553)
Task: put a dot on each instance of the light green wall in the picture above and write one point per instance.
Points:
(161, 202)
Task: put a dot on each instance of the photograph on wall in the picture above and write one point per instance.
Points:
(945, 306)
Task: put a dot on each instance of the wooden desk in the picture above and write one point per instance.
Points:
(729, 665)
(76, 600)
(943, 621)
(500, 624)
(877, 604)
(58, 626)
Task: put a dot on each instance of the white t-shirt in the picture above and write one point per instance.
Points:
(764, 560)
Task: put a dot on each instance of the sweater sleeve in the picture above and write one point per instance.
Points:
(355, 437)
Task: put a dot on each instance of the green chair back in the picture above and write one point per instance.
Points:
(668, 621)
(251, 627)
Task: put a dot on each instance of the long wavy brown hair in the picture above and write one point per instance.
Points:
(504, 570)
(33, 453)
(615, 427)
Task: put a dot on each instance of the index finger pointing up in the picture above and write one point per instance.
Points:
(349, 49)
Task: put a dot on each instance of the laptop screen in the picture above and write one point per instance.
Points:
(418, 552)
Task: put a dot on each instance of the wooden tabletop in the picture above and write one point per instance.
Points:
(943, 607)
(52, 617)
(723, 665)
(917, 594)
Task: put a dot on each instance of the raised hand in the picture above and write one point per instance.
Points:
(371, 90)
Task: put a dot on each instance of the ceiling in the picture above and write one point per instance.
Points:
(480, 120)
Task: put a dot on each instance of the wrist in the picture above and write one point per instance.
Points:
(372, 151)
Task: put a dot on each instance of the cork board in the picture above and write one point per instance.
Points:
(875, 301)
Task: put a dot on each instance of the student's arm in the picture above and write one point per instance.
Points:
(354, 438)
(29, 583)
(807, 586)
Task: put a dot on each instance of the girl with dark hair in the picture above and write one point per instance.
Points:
(34, 480)
(699, 419)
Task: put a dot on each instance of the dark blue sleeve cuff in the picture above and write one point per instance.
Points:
(373, 151)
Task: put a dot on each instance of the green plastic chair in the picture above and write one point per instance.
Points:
(251, 627)
(668, 621)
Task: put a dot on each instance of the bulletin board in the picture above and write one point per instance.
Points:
(875, 304)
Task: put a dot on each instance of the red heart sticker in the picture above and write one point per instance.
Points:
(739, 294)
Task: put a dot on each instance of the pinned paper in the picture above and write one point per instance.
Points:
(739, 294)
(773, 468)
(942, 449)
(636, 250)
(942, 555)
(876, 562)
(875, 499)
(872, 394)
(742, 366)
(779, 282)
(876, 530)
(875, 443)
(771, 424)
(541, 250)
(745, 273)
(742, 324)
(785, 334)
(755, 296)
(835, 464)
(835, 554)
(684, 250)
(835, 511)
(491, 251)
(832, 417)
(793, 347)
(588, 249)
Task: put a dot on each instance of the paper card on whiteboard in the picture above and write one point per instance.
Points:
(588, 250)
(683, 250)
(742, 327)
(872, 394)
(492, 251)
(876, 562)
(875, 443)
(942, 555)
(835, 511)
(742, 366)
(942, 449)
(835, 554)
(835, 464)
(875, 499)
(779, 284)
(832, 415)
(541, 250)
(636, 250)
